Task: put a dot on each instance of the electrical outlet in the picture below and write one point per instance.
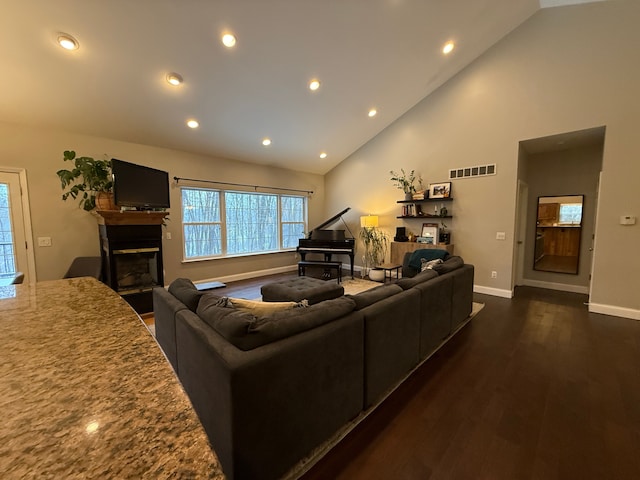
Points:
(501, 235)
(168, 235)
(494, 274)
(44, 241)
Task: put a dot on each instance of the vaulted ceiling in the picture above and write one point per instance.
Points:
(366, 54)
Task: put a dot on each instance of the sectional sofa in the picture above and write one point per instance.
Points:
(270, 387)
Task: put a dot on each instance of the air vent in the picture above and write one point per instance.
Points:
(477, 171)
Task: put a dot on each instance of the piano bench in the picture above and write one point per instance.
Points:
(297, 289)
(337, 266)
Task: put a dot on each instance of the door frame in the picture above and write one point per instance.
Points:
(519, 237)
(26, 219)
(592, 248)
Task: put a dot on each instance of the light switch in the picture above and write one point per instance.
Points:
(44, 241)
(501, 236)
(627, 220)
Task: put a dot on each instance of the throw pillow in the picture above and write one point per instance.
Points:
(258, 308)
(247, 332)
(232, 324)
(426, 253)
(429, 264)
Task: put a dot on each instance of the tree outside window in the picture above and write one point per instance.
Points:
(219, 223)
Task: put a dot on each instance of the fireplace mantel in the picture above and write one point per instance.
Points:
(130, 217)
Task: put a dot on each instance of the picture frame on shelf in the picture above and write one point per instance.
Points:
(440, 190)
(430, 233)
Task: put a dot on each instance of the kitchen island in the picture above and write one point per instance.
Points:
(86, 392)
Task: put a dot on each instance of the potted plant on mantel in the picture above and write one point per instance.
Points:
(89, 180)
(375, 247)
(404, 182)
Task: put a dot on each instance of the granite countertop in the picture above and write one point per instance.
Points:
(85, 391)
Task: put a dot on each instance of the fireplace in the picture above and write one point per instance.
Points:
(136, 269)
(132, 260)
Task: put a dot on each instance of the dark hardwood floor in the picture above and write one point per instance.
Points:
(534, 387)
(250, 288)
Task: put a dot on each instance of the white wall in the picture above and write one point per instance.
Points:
(563, 70)
(74, 232)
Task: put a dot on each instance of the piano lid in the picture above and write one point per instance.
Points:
(330, 221)
(328, 235)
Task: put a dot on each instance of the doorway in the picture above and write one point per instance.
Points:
(15, 226)
(566, 165)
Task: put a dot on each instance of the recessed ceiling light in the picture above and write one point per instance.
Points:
(323, 155)
(373, 112)
(448, 47)
(266, 142)
(192, 123)
(314, 84)
(229, 40)
(67, 42)
(174, 78)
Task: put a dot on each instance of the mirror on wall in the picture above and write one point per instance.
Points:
(558, 231)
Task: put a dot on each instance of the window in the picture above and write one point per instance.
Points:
(202, 227)
(570, 213)
(7, 253)
(293, 213)
(227, 223)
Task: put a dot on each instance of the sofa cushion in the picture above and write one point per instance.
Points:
(185, 291)
(450, 264)
(407, 283)
(247, 331)
(427, 254)
(368, 297)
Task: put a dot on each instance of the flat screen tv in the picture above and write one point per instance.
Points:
(139, 186)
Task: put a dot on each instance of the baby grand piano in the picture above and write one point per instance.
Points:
(327, 242)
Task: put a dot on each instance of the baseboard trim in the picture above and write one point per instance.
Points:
(248, 275)
(564, 287)
(614, 311)
(263, 273)
(496, 292)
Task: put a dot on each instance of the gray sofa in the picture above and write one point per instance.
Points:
(270, 389)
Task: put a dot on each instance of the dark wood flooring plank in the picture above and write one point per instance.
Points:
(535, 387)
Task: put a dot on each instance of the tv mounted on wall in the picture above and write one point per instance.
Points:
(138, 186)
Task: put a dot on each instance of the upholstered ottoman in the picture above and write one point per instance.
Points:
(313, 290)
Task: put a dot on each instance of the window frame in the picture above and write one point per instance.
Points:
(223, 223)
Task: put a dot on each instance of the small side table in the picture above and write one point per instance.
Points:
(389, 268)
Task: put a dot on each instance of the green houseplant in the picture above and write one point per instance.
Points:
(89, 181)
(375, 243)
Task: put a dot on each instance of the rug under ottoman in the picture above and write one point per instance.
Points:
(300, 288)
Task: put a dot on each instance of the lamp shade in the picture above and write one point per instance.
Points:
(369, 221)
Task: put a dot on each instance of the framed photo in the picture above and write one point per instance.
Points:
(430, 233)
(440, 190)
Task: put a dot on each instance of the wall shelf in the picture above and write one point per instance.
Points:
(425, 217)
(448, 199)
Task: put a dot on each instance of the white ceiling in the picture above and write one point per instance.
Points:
(590, 137)
(366, 53)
